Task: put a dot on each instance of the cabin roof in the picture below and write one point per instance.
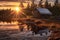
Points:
(44, 11)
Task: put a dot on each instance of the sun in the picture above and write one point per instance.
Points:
(17, 9)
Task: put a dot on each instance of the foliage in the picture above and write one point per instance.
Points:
(55, 10)
(40, 3)
(5, 15)
(27, 11)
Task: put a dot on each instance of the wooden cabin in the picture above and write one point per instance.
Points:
(42, 13)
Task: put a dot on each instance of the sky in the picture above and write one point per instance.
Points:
(16, 0)
(16, 3)
(8, 0)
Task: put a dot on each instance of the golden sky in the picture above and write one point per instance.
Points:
(15, 3)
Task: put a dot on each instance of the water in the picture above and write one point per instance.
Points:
(8, 26)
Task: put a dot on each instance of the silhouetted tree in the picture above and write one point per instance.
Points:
(40, 3)
(56, 2)
(33, 6)
(5, 15)
(33, 2)
(46, 4)
(21, 3)
(55, 10)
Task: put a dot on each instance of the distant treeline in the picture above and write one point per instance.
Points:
(55, 10)
(6, 15)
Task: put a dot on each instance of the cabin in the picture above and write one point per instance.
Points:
(42, 13)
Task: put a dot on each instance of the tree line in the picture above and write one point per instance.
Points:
(6, 15)
(55, 9)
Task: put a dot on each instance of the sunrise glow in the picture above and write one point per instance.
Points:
(17, 9)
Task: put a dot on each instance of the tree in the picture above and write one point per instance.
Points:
(21, 4)
(28, 6)
(56, 2)
(5, 15)
(40, 3)
(33, 2)
(33, 5)
(46, 4)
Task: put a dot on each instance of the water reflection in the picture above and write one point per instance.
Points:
(8, 26)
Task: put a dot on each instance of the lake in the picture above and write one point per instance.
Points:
(9, 26)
